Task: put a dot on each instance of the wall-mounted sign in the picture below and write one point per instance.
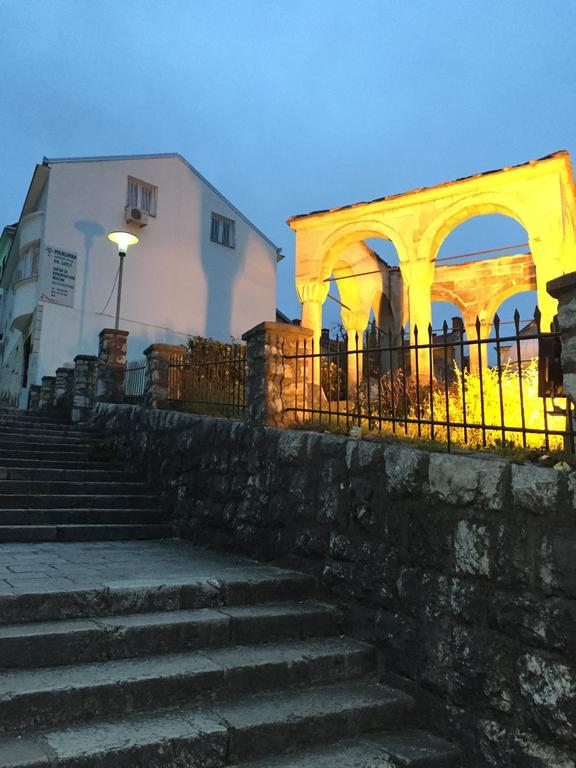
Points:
(61, 277)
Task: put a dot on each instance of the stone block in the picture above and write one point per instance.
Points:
(558, 562)
(472, 548)
(535, 489)
(405, 470)
(463, 481)
(548, 687)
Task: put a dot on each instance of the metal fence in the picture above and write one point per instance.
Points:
(455, 387)
(209, 380)
(134, 381)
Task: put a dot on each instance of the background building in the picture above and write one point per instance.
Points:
(200, 268)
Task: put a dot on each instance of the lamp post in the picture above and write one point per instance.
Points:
(122, 240)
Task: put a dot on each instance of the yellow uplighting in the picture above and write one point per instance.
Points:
(123, 240)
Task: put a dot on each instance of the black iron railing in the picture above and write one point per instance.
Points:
(134, 381)
(211, 381)
(455, 386)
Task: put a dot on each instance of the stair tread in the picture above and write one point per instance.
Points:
(23, 682)
(247, 714)
(121, 621)
(410, 748)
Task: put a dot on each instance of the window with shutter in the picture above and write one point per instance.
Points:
(223, 230)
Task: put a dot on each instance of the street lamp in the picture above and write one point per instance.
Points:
(122, 240)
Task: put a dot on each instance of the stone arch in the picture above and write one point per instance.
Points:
(355, 232)
(504, 292)
(466, 208)
(443, 294)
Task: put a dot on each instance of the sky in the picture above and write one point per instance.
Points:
(289, 106)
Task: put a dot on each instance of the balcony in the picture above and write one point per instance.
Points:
(30, 229)
(25, 300)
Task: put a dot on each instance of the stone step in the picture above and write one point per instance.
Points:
(84, 473)
(247, 728)
(72, 488)
(44, 430)
(409, 748)
(70, 532)
(54, 417)
(106, 597)
(77, 501)
(27, 458)
(79, 517)
(12, 447)
(33, 438)
(55, 643)
(48, 697)
(43, 424)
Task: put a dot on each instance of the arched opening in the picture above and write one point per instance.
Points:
(363, 309)
(481, 257)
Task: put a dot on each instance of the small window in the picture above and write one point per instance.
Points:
(223, 230)
(142, 195)
(27, 266)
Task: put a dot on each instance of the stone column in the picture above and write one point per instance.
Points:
(278, 387)
(476, 356)
(355, 324)
(34, 397)
(63, 389)
(47, 388)
(312, 296)
(111, 365)
(160, 386)
(84, 385)
(563, 289)
(419, 275)
(546, 253)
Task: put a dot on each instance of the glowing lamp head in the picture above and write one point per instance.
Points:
(123, 240)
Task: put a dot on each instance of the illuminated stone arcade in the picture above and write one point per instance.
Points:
(540, 195)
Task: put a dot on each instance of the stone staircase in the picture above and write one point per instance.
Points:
(156, 654)
(54, 488)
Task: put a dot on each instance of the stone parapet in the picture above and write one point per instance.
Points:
(63, 389)
(563, 289)
(34, 397)
(83, 387)
(47, 388)
(277, 385)
(459, 567)
(112, 349)
(158, 360)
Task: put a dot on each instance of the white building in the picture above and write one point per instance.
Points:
(200, 268)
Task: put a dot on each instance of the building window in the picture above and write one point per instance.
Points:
(223, 230)
(27, 266)
(142, 195)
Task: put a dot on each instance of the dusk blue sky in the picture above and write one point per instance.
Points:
(288, 106)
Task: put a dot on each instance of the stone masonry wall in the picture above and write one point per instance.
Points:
(461, 569)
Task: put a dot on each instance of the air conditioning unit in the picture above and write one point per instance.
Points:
(136, 216)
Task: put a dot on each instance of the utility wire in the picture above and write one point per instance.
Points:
(105, 307)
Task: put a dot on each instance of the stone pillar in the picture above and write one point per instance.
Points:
(419, 275)
(160, 386)
(63, 389)
(34, 397)
(47, 388)
(355, 324)
(278, 387)
(84, 386)
(312, 296)
(563, 289)
(111, 365)
(477, 356)
(546, 253)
